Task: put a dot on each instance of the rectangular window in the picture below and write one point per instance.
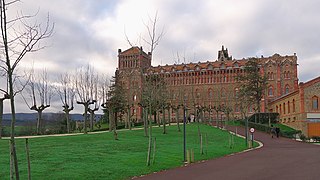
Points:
(315, 103)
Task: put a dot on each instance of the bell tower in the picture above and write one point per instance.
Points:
(133, 58)
(132, 64)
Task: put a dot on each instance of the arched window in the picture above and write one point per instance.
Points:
(287, 88)
(197, 93)
(284, 108)
(286, 75)
(315, 103)
(223, 92)
(270, 91)
(280, 110)
(288, 107)
(185, 97)
(236, 108)
(293, 106)
(236, 92)
(210, 93)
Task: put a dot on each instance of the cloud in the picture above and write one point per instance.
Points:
(90, 32)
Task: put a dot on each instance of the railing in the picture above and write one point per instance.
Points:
(264, 118)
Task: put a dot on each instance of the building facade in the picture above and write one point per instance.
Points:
(300, 108)
(205, 84)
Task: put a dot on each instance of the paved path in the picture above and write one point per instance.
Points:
(278, 159)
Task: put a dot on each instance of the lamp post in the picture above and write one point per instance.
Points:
(246, 130)
(184, 131)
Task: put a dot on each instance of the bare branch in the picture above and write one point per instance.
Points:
(127, 38)
(153, 37)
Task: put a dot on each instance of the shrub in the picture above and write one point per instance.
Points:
(303, 137)
(316, 138)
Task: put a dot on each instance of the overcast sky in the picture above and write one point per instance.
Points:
(91, 32)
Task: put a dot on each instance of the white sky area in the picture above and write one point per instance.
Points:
(91, 32)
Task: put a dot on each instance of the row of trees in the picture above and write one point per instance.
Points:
(20, 35)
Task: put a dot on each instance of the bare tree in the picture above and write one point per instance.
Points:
(66, 92)
(40, 93)
(153, 36)
(85, 83)
(153, 99)
(103, 91)
(19, 37)
(96, 97)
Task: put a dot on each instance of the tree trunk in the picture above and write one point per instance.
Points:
(169, 116)
(91, 120)
(210, 120)
(129, 119)
(1, 117)
(110, 120)
(28, 159)
(115, 126)
(11, 161)
(177, 118)
(145, 121)
(39, 122)
(221, 122)
(150, 140)
(217, 121)
(68, 120)
(154, 151)
(158, 119)
(85, 118)
(201, 145)
(13, 122)
(164, 120)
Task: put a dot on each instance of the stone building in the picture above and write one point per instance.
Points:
(300, 108)
(205, 84)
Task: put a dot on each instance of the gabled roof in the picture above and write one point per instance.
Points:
(132, 50)
(310, 82)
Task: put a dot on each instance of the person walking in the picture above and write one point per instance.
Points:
(273, 131)
(277, 131)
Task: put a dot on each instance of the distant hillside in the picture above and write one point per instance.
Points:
(24, 118)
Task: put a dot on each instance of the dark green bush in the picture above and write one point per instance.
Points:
(316, 138)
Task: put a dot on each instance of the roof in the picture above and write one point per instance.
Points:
(132, 50)
(310, 82)
(301, 86)
(200, 66)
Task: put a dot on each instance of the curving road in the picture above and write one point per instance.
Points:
(278, 159)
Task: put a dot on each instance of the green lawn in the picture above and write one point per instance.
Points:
(98, 156)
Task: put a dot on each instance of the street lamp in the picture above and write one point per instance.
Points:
(184, 130)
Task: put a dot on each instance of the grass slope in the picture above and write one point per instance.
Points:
(98, 156)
